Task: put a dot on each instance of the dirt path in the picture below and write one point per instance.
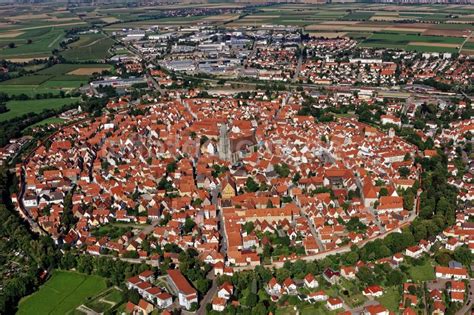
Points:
(55, 40)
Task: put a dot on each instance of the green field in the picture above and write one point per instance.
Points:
(89, 47)
(43, 41)
(390, 299)
(49, 80)
(30, 90)
(19, 108)
(423, 272)
(412, 42)
(52, 120)
(61, 294)
(358, 16)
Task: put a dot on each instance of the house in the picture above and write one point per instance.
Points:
(456, 297)
(273, 287)
(225, 291)
(414, 251)
(450, 273)
(317, 296)
(438, 308)
(331, 276)
(147, 275)
(334, 303)
(373, 291)
(457, 286)
(164, 300)
(187, 295)
(133, 282)
(289, 286)
(218, 304)
(452, 244)
(408, 311)
(376, 309)
(310, 282)
(348, 272)
(131, 308)
(145, 307)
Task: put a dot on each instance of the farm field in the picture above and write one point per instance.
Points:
(53, 79)
(19, 108)
(30, 43)
(92, 47)
(420, 43)
(437, 28)
(61, 294)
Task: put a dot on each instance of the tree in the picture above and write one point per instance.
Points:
(282, 170)
(296, 178)
(404, 171)
(251, 185)
(463, 255)
(3, 108)
(133, 296)
(202, 285)
(188, 226)
(395, 277)
(11, 45)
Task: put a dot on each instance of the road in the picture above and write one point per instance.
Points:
(209, 295)
(465, 41)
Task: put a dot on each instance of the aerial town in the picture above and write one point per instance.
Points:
(207, 164)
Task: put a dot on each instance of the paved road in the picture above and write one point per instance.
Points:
(209, 295)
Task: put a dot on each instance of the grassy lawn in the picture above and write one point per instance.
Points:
(285, 310)
(114, 296)
(354, 296)
(422, 273)
(390, 299)
(19, 108)
(316, 309)
(61, 294)
(52, 120)
(111, 231)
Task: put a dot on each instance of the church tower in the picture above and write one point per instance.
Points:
(224, 144)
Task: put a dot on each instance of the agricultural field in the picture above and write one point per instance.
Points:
(63, 293)
(19, 108)
(420, 28)
(25, 36)
(90, 47)
(420, 43)
(53, 79)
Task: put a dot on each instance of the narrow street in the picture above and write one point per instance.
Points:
(209, 295)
